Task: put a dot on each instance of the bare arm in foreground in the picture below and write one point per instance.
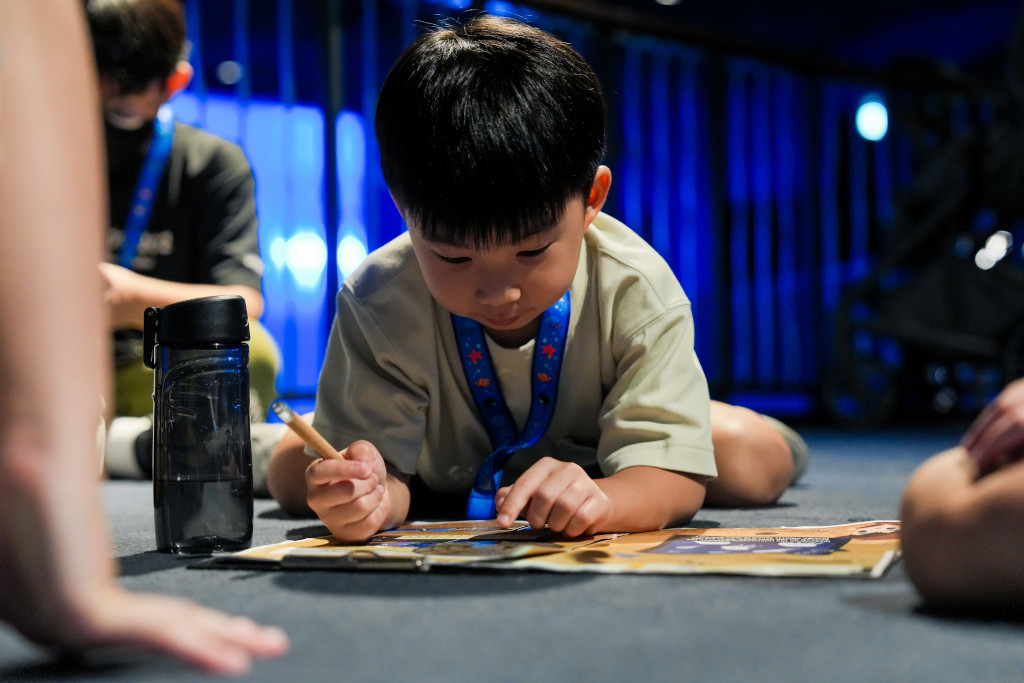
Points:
(56, 569)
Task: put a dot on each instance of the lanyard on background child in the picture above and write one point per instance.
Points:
(145, 190)
(483, 384)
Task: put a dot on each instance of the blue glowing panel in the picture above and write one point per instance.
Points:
(503, 9)
(351, 155)
(660, 154)
(632, 204)
(223, 118)
(764, 294)
(685, 156)
(786, 143)
(286, 148)
(739, 199)
(885, 197)
(859, 207)
(187, 109)
(829, 206)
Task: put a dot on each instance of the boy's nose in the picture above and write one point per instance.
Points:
(497, 293)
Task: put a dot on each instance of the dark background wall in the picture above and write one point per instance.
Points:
(805, 248)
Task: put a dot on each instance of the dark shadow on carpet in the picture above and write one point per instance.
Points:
(443, 582)
(151, 561)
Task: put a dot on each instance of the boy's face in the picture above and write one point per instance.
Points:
(131, 111)
(507, 288)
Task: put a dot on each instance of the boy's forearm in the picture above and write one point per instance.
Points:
(649, 498)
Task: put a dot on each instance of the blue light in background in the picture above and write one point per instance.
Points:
(872, 118)
(186, 108)
(454, 4)
(306, 257)
(502, 9)
(285, 147)
(351, 153)
(223, 118)
(351, 252)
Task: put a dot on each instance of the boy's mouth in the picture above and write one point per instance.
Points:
(501, 321)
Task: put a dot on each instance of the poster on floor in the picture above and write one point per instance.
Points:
(858, 550)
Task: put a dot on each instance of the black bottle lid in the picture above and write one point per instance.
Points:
(195, 322)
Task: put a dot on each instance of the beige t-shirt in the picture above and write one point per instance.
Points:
(631, 391)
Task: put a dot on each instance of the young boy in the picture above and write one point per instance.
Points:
(512, 288)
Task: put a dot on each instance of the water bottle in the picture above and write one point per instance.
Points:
(202, 457)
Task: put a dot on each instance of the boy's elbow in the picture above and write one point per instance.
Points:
(932, 540)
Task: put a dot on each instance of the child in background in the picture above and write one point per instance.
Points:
(963, 514)
(514, 298)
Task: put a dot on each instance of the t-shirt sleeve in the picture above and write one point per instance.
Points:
(232, 252)
(363, 392)
(657, 413)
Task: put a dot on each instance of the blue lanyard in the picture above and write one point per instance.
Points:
(145, 190)
(483, 384)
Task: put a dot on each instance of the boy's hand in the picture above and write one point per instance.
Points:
(996, 438)
(350, 496)
(556, 493)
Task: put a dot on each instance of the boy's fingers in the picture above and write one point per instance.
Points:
(518, 496)
(354, 510)
(322, 472)
(1004, 432)
(583, 518)
(333, 495)
(569, 493)
(361, 451)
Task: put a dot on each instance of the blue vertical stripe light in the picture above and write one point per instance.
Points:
(738, 242)
(187, 108)
(689, 224)
(761, 176)
(265, 151)
(786, 142)
(370, 85)
(223, 118)
(885, 195)
(285, 52)
(409, 20)
(829, 206)
(286, 148)
(632, 203)
(307, 253)
(859, 217)
(502, 9)
(351, 155)
(195, 57)
(658, 139)
(241, 48)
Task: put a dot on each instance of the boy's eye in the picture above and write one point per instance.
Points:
(453, 259)
(534, 252)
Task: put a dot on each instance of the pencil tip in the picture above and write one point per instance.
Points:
(282, 410)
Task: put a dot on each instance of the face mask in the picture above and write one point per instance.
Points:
(126, 147)
(130, 122)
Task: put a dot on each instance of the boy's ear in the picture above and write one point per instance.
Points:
(598, 193)
(178, 80)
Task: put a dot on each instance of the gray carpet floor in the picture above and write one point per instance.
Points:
(550, 627)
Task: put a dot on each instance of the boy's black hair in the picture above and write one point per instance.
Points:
(136, 42)
(487, 130)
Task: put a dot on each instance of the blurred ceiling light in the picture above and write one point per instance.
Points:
(872, 117)
(229, 72)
